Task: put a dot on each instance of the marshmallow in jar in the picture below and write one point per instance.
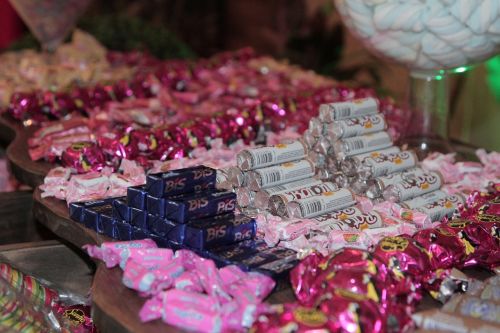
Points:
(426, 34)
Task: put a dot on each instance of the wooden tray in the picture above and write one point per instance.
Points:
(24, 169)
(115, 307)
(53, 214)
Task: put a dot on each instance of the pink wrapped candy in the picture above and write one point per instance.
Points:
(83, 157)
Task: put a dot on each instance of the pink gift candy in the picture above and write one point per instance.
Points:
(151, 258)
(353, 239)
(110, 252)
(191, 311)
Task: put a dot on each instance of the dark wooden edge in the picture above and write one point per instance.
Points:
(115, 307)
(24, 169)
(53, 214)
(110, 311)
(29, 245)
(111, 314)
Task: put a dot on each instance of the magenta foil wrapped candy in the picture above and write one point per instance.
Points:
(83, 157)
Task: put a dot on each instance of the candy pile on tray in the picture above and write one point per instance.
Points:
(305, 190)
(183, 209)
(82, 62)
(478, 307)
(167, 112)
(27, 305)
(355, 290)
(185, 290)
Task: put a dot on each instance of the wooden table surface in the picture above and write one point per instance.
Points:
(115, 307)
(24, 169)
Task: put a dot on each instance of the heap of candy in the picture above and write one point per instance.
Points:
(185, 290)
(29, 306)
(61, 184)
(478, 307)
(180, 106)
(82, 62)
(304, 189)
(358, 291)
(183, 209)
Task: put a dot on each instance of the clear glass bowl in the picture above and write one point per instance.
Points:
(432, 38)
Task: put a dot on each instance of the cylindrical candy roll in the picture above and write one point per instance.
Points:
(423, 199)
(318, 159)
(321, 204)
(245, 197)
(387, 163)
(309, 139)
(278, 202)
(413, 187)
(324, 174)
(359, 186)
(357, 126)
(322, 146)
(237, 177)
(316, 127)
(342, 180)
(343, 110)
(280, 174)
(222, 180)
(376, 186)
(442, 207)
(332, 163)
(250, 159)
(362, 144)
(262, 197)
(350, 164)
(348, 219)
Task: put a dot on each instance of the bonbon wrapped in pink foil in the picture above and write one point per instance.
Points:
(83, 157)
(445, 248)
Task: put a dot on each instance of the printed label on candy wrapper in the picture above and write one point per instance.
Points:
(280, 174)
(265, 156)
(278, 202)
(321, 204)
(181, 181)
(390, 179)
(363, 144)
(188, 207)
(424, 199)
(343, 110)
(219, 230)
(356, 126)
(389, 163)
(262, 197)
(353, 239)
(348, 219)
(292, 185)
(442, 207)
(414, 187)
(359, 158)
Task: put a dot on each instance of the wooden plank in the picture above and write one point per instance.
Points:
(53, 214)
(112, 314)
(24, 169)
(115, 308)
(17, 223)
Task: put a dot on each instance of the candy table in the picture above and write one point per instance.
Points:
(116, 307)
